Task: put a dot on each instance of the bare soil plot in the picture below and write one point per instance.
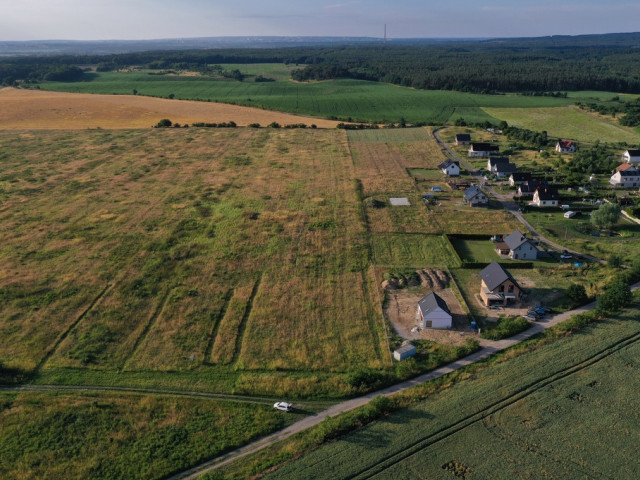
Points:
(36, 109)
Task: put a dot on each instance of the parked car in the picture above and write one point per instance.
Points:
(284, 406)
(565, 255)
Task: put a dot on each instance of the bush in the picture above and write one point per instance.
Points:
(617, 295)
(503, 328)
(577, 294)
(365, 378)
(164, 123)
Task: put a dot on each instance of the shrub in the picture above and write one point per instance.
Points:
(503, 328)
(165, 122)
(577, 294)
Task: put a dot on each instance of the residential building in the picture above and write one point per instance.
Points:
(625, 178)
(530, 186)
(517, 246)
(565, 146)
(433, 312)
(450, 168)
(493, 161)
(502, 170)
(483, 150)
(631, 156)
(463, 139)
(498, 286)
(475, 197)
(546, 197)
(518, 178)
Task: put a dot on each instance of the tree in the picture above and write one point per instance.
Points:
(577, 293)
(165, 122)
(617, 295)
(606, 216)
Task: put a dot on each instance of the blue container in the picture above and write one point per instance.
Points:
(473, 325)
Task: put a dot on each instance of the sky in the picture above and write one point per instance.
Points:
(150, 19)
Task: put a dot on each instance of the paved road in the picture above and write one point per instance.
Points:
(488, 348)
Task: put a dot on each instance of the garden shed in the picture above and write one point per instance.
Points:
(405, 351)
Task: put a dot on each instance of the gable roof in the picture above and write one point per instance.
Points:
(498, 160)
(515, 239)
(520, 176)
(629, 173)
(633, 153)
(471, 192)
(547, 193)
(494, 275)
(484, 147)
(430, 302)
(463, 137)
(447, 163)
(565, 143)
(506, 168)
(626, 166)
(531, 186)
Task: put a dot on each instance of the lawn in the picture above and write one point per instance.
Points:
(568, 122)
(342, 99)
(539, 411)
(412, 251)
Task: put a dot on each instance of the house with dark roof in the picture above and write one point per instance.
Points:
(517, 246)
(433, 312)
(546, 197)
(475, 197)
(625, 178)
(565, 146)
(504, 169)
(463, 139)
(497, 286)
(530, 186)
(518, 178)
(450, 168)
(493, 161)
(631, 156)
(483, 150)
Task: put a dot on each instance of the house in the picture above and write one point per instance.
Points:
(463, 139)
(450, 168)
(530, 186)
(565, 146)
(517, 246)
(518, 178)
(546, 197)
(631, 156)
(493, 161)
(405, 351)
(625, 178)
(498, 286)
(475, 197)
(433, 312)
(482, 149)
(626, 166)
(504, 169)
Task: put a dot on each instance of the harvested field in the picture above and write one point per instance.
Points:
(36, 109)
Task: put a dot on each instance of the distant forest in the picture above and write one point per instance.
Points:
(548, 64)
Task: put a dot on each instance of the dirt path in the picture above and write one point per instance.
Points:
(488, 348)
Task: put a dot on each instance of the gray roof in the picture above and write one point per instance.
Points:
(515, 239)
(432, 301)
(494, 275)
(471, 192)
(447, 163)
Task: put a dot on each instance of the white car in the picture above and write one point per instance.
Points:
(284, 406)
(565, 256)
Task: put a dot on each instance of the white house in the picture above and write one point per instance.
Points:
(546, 197)
(433, 312)
(450, 168)
(631, 156)
(493, 161)
(517, 246)
(625, 178)
(482, 149)
(463, 139)
(518, 178)
(565, 146)
(474, 196)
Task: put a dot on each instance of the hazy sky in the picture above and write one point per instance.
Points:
(146, 19)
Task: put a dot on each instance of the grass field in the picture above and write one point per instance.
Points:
(565, 411)
(570, 123)
(412, 251)
(189, 250)
(343, 99)
(105, 436)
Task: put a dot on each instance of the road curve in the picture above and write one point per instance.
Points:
(488, 348)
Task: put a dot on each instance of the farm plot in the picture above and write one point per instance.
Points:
(133, 267)
(412, 250)
(539, 410)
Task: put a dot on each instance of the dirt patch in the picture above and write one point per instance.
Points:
(38, 109)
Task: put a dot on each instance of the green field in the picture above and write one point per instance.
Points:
(341, 99)
(570, 123)
(566, 410)
(413, 251)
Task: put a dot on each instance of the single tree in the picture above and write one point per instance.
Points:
(577, 293)
(606, 216)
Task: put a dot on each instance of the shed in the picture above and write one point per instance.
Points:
(433, 312)
(405, 351)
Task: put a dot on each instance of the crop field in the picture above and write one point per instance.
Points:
(105, 436)
(203, 250)
(29, 109)
(412, 251)
(568, 123)
(356, 99)
(563, 411)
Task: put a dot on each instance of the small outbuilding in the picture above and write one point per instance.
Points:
(433, 312)
(405, 351)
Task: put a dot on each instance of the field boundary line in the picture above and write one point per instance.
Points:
(156, 313)
(73, 325)
(216, 326)
(243, 323)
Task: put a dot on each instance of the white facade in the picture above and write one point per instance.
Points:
(623, 179)
(437, 318)
(526, 251)
(452, 170)
(544, 203)
(631, 156)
